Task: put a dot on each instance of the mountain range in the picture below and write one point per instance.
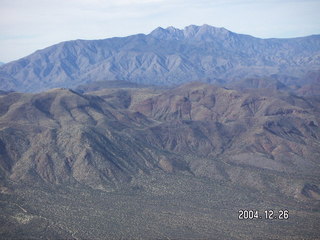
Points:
(165, 57)
(113, 139)
(103, 137)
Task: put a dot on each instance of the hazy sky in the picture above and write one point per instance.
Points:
(28, 25)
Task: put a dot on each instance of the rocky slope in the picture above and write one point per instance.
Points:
(165, 56)
(60, 136)
(111, 136)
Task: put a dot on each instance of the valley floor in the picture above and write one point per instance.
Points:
(157, 206)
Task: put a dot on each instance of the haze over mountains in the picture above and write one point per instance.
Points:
(165, 56)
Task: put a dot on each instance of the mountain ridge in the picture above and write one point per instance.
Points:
(163, 57)
(112, 135)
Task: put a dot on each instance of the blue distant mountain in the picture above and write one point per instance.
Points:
(165, 57)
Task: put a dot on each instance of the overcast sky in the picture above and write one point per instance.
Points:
(28, 25)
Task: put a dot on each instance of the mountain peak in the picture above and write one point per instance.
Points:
(191, 30)
(168, 33)
(204, 32)
(172, 29)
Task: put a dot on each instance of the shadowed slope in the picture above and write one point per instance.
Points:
(65, 136)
